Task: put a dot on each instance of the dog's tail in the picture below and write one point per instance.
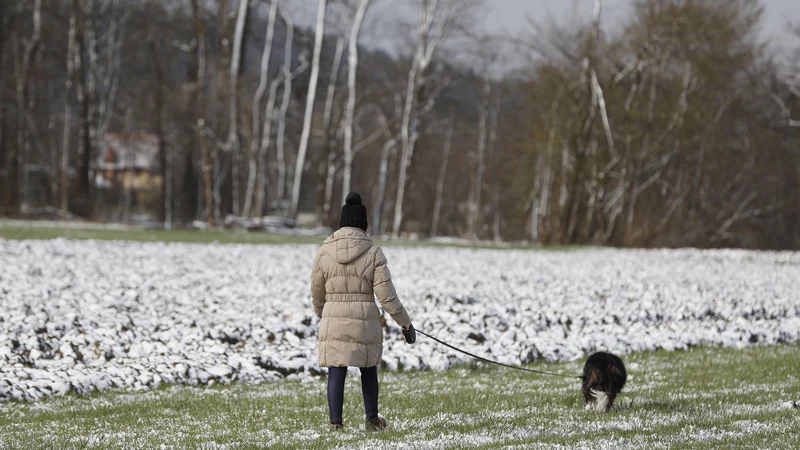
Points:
(601, 401)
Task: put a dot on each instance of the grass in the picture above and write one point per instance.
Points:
(143, 235)
(705, 398)
(16, 232)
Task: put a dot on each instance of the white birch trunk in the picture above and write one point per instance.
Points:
(254, 154)
(406, 143)
(352, 74)
(312, 92)
(437, 203)
(329, 143)
(287, 93)
(431, 32)
(377, 210)
(233, 101)
(266, 142)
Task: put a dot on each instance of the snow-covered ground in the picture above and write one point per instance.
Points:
(86, 315)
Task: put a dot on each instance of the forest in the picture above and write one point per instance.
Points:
(678, 127)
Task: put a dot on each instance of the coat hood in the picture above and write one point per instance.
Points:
(347, 244)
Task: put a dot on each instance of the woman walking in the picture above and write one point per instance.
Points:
(349, 271)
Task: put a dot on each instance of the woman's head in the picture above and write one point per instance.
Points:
(354, 213)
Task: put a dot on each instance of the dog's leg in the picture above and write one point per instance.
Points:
(601, 401)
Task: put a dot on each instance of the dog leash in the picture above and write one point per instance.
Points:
(496, 362)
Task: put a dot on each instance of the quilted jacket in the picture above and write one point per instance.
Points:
(349, 272)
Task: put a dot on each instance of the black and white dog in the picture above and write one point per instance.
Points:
(604, 376)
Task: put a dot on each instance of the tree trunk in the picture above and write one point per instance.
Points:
(352, 73)
(266, 141)
(158, 102)
(65, 140)
(114, 38)
(84, 139)
(377, 210)
(434, 22)
(287, 96)
(330, 179)
(199, 110)
(5, 24)
(91, 97)
(328, 142)
(475, 208)
(437, 204)
(407, 141)
(493, 122)
(233, 102)
(496, 226)
(254, 157)
(18, 154)
(312, 92)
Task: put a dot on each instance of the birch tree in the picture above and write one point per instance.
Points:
(312, 92)
(233, 103)
(352, 54)
(328, 146)
(437, 204)
(255, 159)
(287, 97)
(435, 20)
(197, 107)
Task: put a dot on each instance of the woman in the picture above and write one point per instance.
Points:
(348, 273)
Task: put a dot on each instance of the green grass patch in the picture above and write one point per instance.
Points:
(17, 232)
(706, 398)
(142, 235)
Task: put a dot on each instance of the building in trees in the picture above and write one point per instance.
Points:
(128, 179)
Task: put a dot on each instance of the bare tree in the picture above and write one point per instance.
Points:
(480, 168)
(352, 73)
(254, 155)
(233, 102)
(328, 154)
(65, 142)
(287, 97)
(198, 109)
(435, 19)
(312, 92)
(383, 175)
(437, 204)
(16, 157)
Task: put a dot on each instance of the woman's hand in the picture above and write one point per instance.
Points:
(410, 334)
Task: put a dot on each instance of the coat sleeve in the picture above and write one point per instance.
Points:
(384, 290)
(317, 286)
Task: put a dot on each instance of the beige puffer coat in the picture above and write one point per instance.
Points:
(348, 273)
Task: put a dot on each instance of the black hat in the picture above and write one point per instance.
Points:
(354, 213)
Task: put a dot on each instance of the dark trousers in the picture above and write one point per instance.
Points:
(369, 389)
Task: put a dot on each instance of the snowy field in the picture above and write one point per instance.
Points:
(89, 315)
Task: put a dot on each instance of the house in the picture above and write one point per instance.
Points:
(129, 161)
(128, 173)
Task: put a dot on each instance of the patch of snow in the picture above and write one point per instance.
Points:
(80, 316)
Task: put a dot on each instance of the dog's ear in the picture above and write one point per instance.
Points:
(614, 369)
(591, 379)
